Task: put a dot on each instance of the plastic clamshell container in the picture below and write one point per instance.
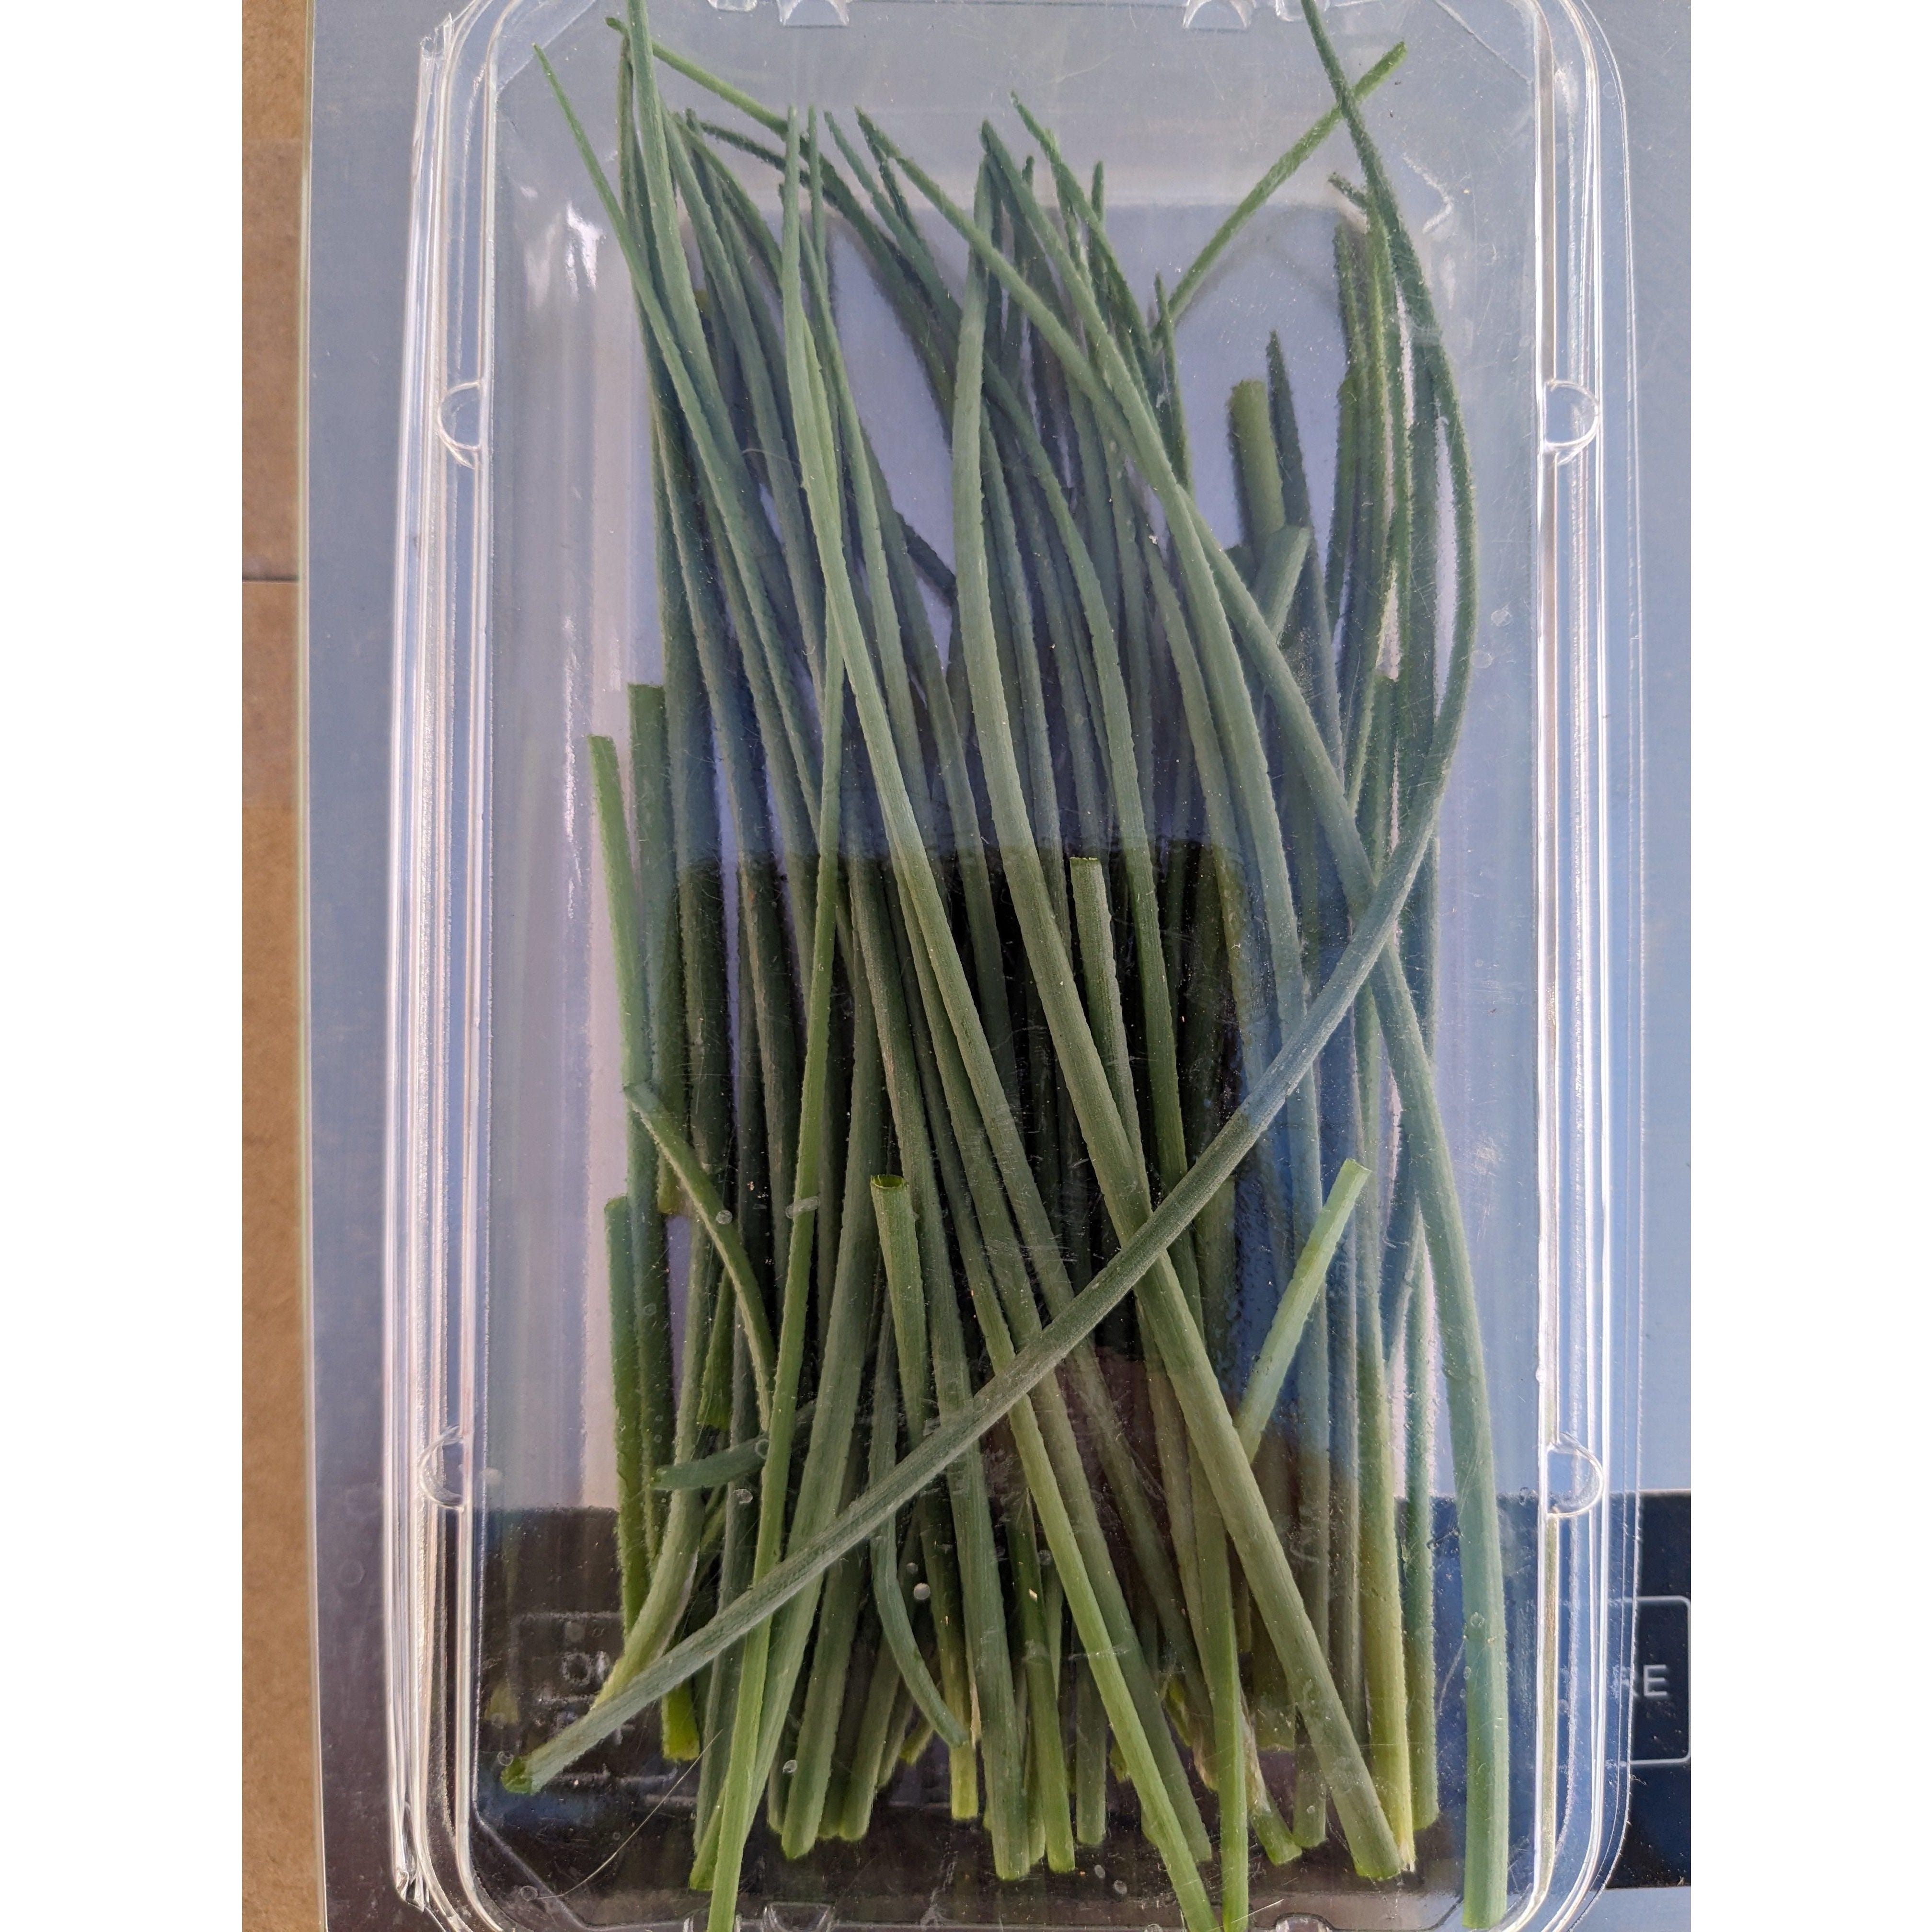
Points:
(527, 600)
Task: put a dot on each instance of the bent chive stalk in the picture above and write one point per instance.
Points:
(929, 972)
(1269, 1372)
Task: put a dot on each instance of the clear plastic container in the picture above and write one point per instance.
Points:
(530, 603)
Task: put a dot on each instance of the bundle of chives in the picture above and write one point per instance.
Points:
(1038, 939)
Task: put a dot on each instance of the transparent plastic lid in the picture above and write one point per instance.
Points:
(1014, 976)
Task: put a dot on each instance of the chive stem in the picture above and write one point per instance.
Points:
(1263, 189)
(1276, 1356)
(888, 1592)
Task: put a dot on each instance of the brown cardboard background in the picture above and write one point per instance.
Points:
(278, 1883)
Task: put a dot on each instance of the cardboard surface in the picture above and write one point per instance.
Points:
(279, 1890)
(270, 338)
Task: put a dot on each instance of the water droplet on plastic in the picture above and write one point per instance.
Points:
(791, 1766)
(1120, 1888)
(723, 1217)
(921, 1591)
